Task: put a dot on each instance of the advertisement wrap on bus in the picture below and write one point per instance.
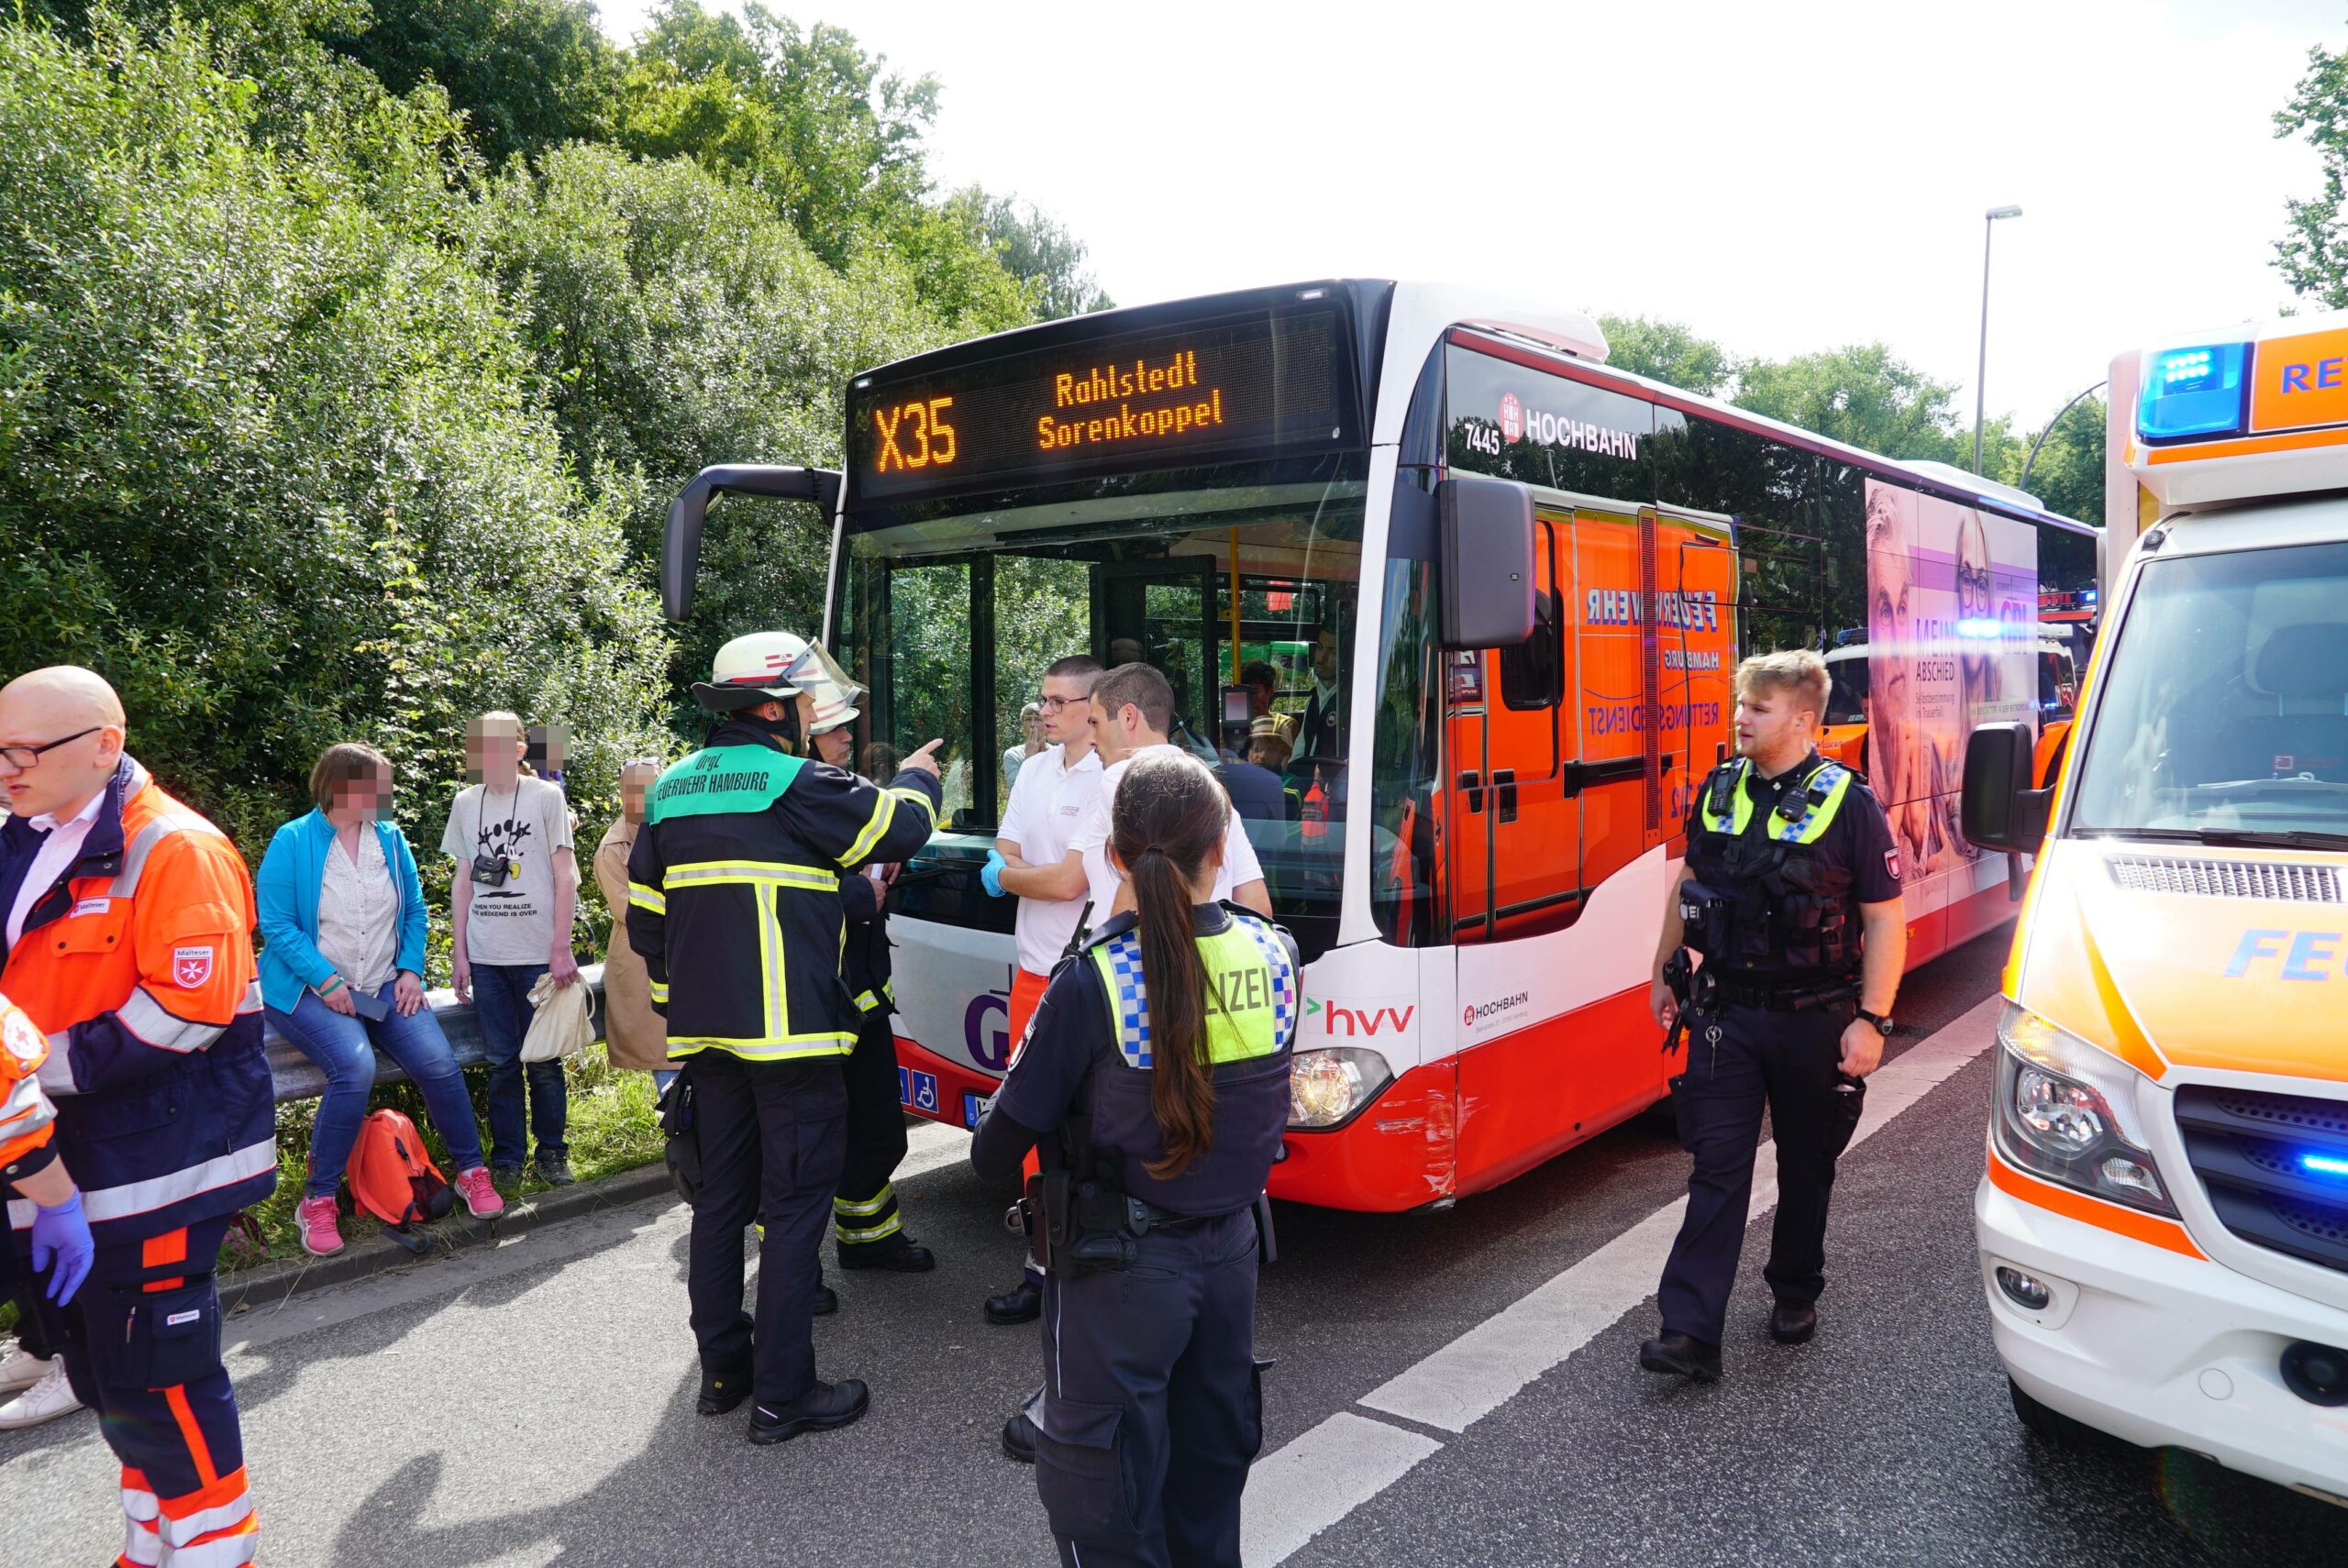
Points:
(1479, 828)
(2162, 1222)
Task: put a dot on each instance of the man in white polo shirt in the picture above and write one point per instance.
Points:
(1051, 799)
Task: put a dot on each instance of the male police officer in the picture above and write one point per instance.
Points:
(1791, 897)
(734, 902)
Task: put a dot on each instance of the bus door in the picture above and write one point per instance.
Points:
(1163, 613)
(1512, 831)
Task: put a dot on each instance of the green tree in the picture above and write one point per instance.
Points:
(527, 75)
(269, 454)
(1862, 396)
(1035, 247)
(2312, 255)
(1669, 352)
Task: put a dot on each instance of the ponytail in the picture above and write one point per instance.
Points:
(1170, 815)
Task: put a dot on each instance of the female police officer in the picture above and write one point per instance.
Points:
(1154, 1085)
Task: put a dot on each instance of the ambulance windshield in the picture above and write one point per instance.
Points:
(2224, 719)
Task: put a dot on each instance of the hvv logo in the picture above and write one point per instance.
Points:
(1351, 1020)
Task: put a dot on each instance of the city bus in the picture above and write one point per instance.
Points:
(2162, 1220)
(1521, 583)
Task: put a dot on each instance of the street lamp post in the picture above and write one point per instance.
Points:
(1981, 367)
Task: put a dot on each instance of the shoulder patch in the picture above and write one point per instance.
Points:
(22, 1039)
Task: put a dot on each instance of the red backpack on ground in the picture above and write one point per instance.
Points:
(391, 1177)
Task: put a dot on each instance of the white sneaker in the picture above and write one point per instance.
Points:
(20, 1369)
(45, 1401)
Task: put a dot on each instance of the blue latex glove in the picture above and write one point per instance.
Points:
(62, 1236)
(990, 874)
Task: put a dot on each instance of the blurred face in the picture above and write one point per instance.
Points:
(1324, 656)
(1770, 729)
(835, 745)
(1260, 698)
(363, 800)
(493, 751)
(1265, 752)
(633, 784)
(60, 779)
(1066, 714)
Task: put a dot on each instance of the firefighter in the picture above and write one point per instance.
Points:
(1155, 1083)
(1791, 897)
(866, 1228)
(734, 900)
(130, 944)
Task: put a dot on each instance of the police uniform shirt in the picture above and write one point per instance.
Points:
(1859, 840)
(1070, 1034)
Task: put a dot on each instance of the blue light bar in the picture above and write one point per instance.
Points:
(2326, 1165)
(2191, 392)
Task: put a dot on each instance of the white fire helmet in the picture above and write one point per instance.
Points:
(778, 666)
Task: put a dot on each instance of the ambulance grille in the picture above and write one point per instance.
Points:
(2246, 1146)
(2279, 881)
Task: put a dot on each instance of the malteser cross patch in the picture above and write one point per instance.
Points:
(191, 967)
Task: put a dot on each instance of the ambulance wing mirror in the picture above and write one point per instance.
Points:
(2000, 808)
(681, 540)
(1487, 556)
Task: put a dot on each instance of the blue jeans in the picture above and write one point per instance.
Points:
(344, 1049)
(502, 1003)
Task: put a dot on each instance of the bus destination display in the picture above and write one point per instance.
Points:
(1268, 383)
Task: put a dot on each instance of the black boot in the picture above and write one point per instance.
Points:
(1793, 1322)
(1678, 1356)
(822, 1407)
(828, 1300)
(1022, 1303)
(905, 1257)
(720, 1392)
(1019, 1437)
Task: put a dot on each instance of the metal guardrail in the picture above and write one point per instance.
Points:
(296, 1076)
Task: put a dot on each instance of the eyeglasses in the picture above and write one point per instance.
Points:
(20, 757)
(1053, 704)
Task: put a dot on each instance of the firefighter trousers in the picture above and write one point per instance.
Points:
(1152, 1407)
(864, 1210)
(772, 1136)
(141, 1341)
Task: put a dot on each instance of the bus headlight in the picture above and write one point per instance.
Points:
(2065, 1111)
(1327, 1087)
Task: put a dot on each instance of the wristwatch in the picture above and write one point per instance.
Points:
(1882, 1021)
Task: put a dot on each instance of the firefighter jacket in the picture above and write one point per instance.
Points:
(734, 892)
(138, 965)
(864, 945)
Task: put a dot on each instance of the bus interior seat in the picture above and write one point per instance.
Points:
(2301, 672)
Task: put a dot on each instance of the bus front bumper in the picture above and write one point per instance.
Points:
(2159, 1348)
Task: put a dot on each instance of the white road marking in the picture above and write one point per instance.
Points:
(1483, 1368)
(929, 1145)
(1322, 1478)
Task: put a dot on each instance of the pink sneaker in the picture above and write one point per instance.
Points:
(480, 1193)
(314, 1216)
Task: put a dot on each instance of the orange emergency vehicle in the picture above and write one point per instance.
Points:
(2163, 1225)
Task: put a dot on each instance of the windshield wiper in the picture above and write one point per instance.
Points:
(2228, 838)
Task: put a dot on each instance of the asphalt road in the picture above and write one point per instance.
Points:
(532, 1403)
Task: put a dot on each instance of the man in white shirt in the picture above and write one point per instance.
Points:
(1050, 799)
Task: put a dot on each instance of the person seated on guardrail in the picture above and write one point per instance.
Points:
(515, 890)
(636, 1037)
(342, 914)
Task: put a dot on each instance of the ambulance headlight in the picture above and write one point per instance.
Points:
(2067, 1113)
(1325, 1089)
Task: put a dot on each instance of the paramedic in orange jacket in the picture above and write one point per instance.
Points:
(128, 932)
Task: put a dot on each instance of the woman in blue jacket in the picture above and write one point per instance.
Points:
(342, 973)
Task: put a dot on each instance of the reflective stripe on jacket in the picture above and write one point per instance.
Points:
(735, 892)
(138, 965)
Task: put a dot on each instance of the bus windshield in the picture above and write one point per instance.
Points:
(2224, 717)
(1239, 586)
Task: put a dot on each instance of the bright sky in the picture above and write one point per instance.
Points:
(1781, 177)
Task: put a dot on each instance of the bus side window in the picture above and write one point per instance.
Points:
(1533, 674)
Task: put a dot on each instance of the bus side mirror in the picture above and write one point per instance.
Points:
(681, 540)
(2000, 808)
(1487, 559)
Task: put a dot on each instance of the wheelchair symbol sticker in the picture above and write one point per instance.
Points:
(917, 1091)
